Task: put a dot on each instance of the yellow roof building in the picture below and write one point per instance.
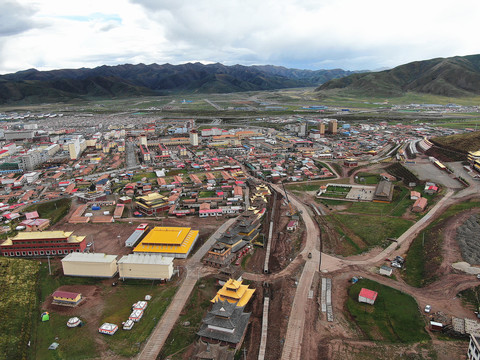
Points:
(169, 241)
(234, 292)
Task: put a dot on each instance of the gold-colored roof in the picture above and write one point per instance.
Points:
(234, 292)
(34, 235)
(173, 240)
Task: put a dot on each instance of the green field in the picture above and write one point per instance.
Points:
(17, 306)
(195, 309)
(313, 185)
(148, 175)
(373, 230)
(81, 342)
(118, 308)
(394, 317)
(367, 179)
(53, 210)
(424, 255)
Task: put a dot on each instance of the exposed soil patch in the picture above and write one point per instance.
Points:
(282, 292)
(468, 238)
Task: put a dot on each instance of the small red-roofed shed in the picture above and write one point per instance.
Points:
(367, 296)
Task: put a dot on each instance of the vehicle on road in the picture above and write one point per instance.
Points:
(309, 255)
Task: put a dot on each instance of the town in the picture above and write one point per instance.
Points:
(284, 235)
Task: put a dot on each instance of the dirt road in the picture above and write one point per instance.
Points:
(293, 340)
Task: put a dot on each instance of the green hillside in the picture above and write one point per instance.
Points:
(452, 77)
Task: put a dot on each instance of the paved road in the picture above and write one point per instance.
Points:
(194, 271)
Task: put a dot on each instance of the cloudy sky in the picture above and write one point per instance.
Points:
(306, 34)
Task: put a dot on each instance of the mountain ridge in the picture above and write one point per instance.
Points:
(456, 76)
(126, 80)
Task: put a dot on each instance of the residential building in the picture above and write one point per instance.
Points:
(367, 296)
(419, 205)
(474, 347)
(66, 298)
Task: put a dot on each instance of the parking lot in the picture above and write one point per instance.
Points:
(426, 171)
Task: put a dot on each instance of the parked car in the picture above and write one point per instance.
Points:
(428, 308)
(309, 255)
(396, 264)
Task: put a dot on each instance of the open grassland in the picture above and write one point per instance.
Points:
(195, 309)
(373, 230)
(17, 306)
(313, 185)
(394, 317)
(460, 124)
(338, 97)
(367, 179)
(424, 255)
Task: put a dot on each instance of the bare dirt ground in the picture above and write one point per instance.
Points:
(341, 339)
(254, 330)
(281, 299)
(451, 250)
(110, 238)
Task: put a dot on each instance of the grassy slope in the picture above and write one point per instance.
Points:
(394, 317)
(424, 254)
(460, 142)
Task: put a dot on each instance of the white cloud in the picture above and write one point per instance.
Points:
(349, 34)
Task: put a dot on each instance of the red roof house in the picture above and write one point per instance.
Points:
(367, 296)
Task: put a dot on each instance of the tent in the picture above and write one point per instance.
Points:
(45, 316)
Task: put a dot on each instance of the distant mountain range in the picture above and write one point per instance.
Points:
(33, 86)
(454, 77)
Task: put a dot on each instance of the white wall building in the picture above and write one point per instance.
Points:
(90, 265)
(145, 266)
(474, 348)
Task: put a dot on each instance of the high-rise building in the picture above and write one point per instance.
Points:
(321, 128)
(332, 126)
(194, 138)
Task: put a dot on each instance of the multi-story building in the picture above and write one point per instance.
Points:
(152, 204)
(43, 243)
(76, 145)
(30, 160)
(474, 348)
(194, 137)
